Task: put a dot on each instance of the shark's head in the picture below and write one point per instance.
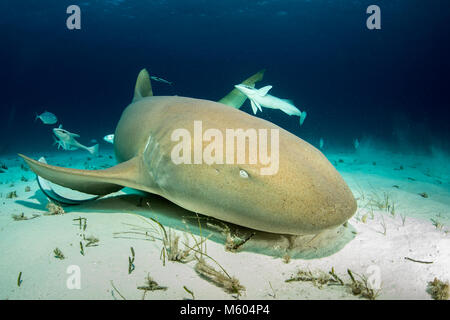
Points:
(247, 90)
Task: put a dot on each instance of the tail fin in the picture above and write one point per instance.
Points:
(98, 182)
(37, 117)
(302, 117)
(236, 98)
(48, 190)
(143, 86)
(93, 150)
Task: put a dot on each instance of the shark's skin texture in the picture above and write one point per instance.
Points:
(306, 196)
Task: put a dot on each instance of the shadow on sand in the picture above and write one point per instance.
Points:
(174, 217)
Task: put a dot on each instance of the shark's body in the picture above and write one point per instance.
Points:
(306, 195)
(260, 98)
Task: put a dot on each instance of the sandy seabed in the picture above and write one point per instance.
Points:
(399, 238)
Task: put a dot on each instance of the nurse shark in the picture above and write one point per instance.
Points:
(306, 195)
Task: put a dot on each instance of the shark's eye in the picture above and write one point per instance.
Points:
(243, 174)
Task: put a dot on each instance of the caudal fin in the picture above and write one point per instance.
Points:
(236, 98)
(302, 117)
(93, 150)
(54, 195)
(98, 182)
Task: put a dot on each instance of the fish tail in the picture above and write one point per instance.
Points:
(93, 150)
(302, 117)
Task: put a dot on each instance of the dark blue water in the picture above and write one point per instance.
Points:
(390, 85)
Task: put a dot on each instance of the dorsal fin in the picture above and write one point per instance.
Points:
(98, 182)
(263, 91)
(254, 78)
(143, 86)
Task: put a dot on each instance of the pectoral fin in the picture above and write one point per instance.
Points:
(98, 182)
(258, 106)
(254, 107)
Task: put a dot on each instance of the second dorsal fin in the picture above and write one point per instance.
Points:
(143, 86)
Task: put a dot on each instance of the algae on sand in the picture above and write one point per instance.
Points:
(222, 279)
(439, 290)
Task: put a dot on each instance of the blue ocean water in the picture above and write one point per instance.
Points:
(388, 88)
(390, 85)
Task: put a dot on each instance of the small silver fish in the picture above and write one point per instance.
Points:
(109, 138)
(160, 80)
(66, 140)
(47, 118)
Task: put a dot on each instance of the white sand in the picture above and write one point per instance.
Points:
(27, 246)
